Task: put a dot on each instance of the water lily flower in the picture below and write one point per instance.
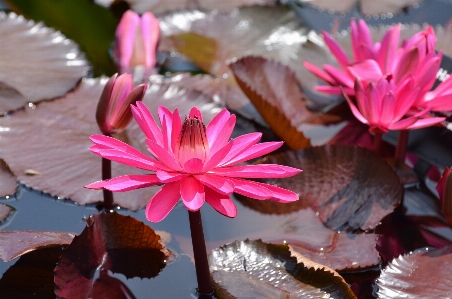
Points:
(113, 112)
(136, 41)
(383, 105)
(194, 162)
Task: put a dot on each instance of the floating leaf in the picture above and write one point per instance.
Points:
(110, 242)
(274, 90)
(350, 187)
(419, 275)
(259, 270)
(57, 147)
(273, 33)
(158, 7)
(348, 252)
(107, 287)
(368, 7)
(8, 183)
(31, 276)
(54, 64)
(5, 211)
(444, 189)
(14, 244)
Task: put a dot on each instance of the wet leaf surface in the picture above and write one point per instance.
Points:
(269, 271)
(273, 33)
(54, 156)
(348, 252)
(110, 242)
(274, 90)
(31, 276)
(418, 275)
(5, 211)
(14, 244)
(43, 51)
(350, 187)
(8, 182)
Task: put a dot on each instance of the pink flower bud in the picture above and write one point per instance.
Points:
(113, 110)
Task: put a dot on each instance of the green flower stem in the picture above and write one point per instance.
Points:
(205, 289)
(402, 145)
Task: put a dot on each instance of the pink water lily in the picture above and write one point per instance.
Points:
(193, 162)
(383, 106)
(113, 112)
(136, 41)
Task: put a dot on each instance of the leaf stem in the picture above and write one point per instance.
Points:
(205, 289)
(402, 145)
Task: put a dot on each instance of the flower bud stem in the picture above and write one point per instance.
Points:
(378, 140)
(106, 174)
(205, 289)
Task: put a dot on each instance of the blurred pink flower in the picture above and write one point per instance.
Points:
(193, 162)
(383, 105)
(136, 41)
(113, 112)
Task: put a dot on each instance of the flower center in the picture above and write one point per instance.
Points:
(192, 141)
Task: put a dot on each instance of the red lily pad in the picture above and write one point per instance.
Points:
(32, 275)
(8, 182)
(14, 244)
(219, 38)
(42, 51)
(418, 275)
(348, 252)
(350, 187)
(258, 270)
(110, 242)
(274, 90)
(54, 156)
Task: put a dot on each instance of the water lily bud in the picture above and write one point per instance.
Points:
(113, 110)
(136, 42)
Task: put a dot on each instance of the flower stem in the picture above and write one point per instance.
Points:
(205, 289)
(106, 174)
(402, 145)
(378, 138)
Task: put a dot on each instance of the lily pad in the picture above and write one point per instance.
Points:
(42, 51)
(14, 244)
(110, 242)
(8, 182)
(32, 275)
(219, 38)
(350, 187)
(259, 270)
(54, 156)
(418, 275)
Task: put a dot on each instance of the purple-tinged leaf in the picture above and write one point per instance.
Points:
(444, 189)
(14, 244)
(42, 51)
(259, 270)
(350, 187)
(8, 183)
(425, 274)
(110, 242)
(5, 212)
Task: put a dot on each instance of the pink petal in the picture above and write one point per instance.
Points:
(251, 189)
(388, 49)
(257, 171)
(355, 110)
(150, 31)
(319, 73)
(426, 122)
(254, 151)
(221, 203)
(216, 125)
(142, 162)
(125, 35)
(105, 142)
(335, 90)
(147, 123)
(194, 112)
(163, 202)
(336, 50)
(441, 103)
(176, 130)
(240, 144)
(126, 183)
(166, 119)
(223, 136)
(163, 155)
(367, 70)
(340, 77)
(192, 193)
(218, 183)
(216, 158)
(168, 177)
(193, 165)
(403, 124)
(280, 194)
(408, 64)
